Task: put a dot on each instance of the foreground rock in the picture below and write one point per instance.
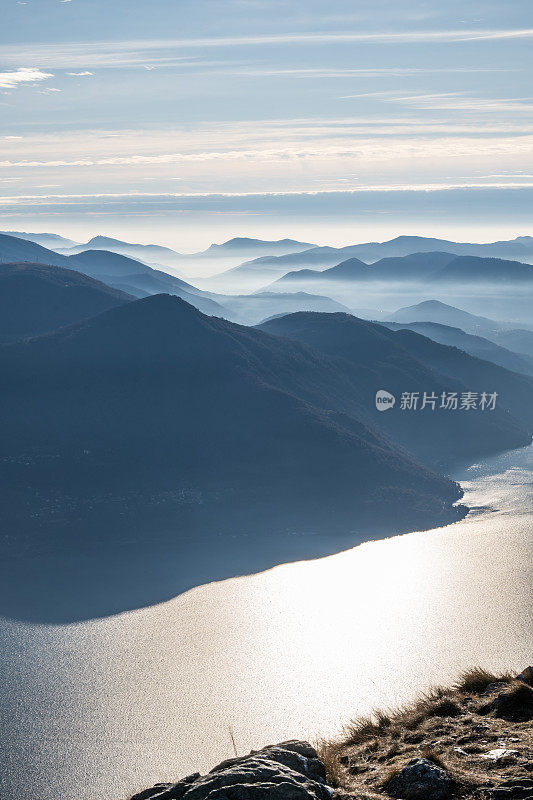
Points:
(471, 741)
(420, 780)
(287, 771)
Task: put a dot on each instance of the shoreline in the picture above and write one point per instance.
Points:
(68, 579)
(386, 619)
(473, 739)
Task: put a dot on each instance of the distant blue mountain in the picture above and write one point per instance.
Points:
(259, 271)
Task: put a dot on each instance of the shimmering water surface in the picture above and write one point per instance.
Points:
(102, 708)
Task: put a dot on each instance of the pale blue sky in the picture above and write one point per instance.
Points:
(191, 121)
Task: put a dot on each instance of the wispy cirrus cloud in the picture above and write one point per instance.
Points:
(449, 101)
(21, 76)
(459, 101)
(378, 72)
(321, 149)
(462, 101)
(421, 187)
(135, 52)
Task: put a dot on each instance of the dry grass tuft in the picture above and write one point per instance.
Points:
(454, 727)
(330, 753)
(366, 728)
(477, 679)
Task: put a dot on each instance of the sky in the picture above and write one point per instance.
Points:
(190, 121)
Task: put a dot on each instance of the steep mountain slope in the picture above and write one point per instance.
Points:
(13, 249)
(140, 280)
(476, 346)
(154, 411)
(37, 298)
(403, 361)
(104, 262)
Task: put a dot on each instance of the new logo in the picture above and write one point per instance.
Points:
(384, 400)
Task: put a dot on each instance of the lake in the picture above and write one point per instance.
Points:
(105, 707)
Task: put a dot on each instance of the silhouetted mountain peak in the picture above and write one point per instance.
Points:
(144, 331)
(405, 239)
(434, 304)
(346, 267)
(248, 245)
(104, 255)
(101, 241)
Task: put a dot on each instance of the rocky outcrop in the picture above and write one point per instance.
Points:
(286, 771)
(420, 780)
(514, 703)
(470, 741)
(513, 789)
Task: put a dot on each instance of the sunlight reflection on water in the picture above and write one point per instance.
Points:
(109, 706)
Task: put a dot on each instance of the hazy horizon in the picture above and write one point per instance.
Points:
(268, 119)
(324, 236)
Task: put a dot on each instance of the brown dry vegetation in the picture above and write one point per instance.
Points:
(454, 727)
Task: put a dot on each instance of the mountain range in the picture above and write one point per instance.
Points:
(138, 413)
(140, 280)
(275, 258)
(433, 267)
(259, 270)
(477, 346)
(118, 271)
(404, 361)
(155, 415)
(218, 256)
(141, 422)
